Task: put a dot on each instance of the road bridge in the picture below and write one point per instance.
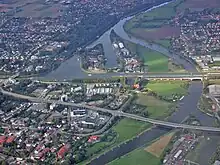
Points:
(114, 113)
(149, 76)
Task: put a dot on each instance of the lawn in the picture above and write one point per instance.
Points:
(155, 107)
(168, 88)
(128, 128)
(137, 157)
(155, 61)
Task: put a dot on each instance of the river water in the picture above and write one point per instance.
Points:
(71, 69)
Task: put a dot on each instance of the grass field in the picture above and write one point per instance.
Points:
(35, 8)
(205, 104)
(155, 107)
(155, 61)
(128, 128)
(155, 20)
(175, 68)
(214, 81)
(159, 146)
(97, 147)
(168, 88)
(217, 63)
(163, 42)
(137, 157)
(162, 13)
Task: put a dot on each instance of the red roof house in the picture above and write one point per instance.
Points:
(10, 139)
(61, 153)
(93, 138)
(2, 139)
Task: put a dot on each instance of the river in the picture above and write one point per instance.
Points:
(71, 69)
(187, 106)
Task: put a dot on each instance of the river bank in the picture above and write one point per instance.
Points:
(71, 68)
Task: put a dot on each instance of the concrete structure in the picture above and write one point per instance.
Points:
(216, 58)
(214, 90)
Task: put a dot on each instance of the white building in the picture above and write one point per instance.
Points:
(121, 45)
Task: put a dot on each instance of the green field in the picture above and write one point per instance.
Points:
(205, 104)
(159, 15)
(137, 157)
(98, 147)
(128, 128)
(155, 107)
(168, 88)
(125, 129)
(217, 63)
(152, 21)
(155, 61)
(163, 42)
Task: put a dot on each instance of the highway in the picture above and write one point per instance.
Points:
(114, 113)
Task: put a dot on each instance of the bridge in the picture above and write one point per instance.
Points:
(149, 76)
(114, 113)
(171, 76)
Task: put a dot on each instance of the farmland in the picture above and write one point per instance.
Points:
(159, 146)
(154, 25)
(33, 8)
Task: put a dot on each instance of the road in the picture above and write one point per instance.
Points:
(148, 75)
(100, 131)
(114, 113)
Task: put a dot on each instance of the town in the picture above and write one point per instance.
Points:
(109, 82)
(46, 132)
(57, 133)
(32, 44)
(199, 38)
